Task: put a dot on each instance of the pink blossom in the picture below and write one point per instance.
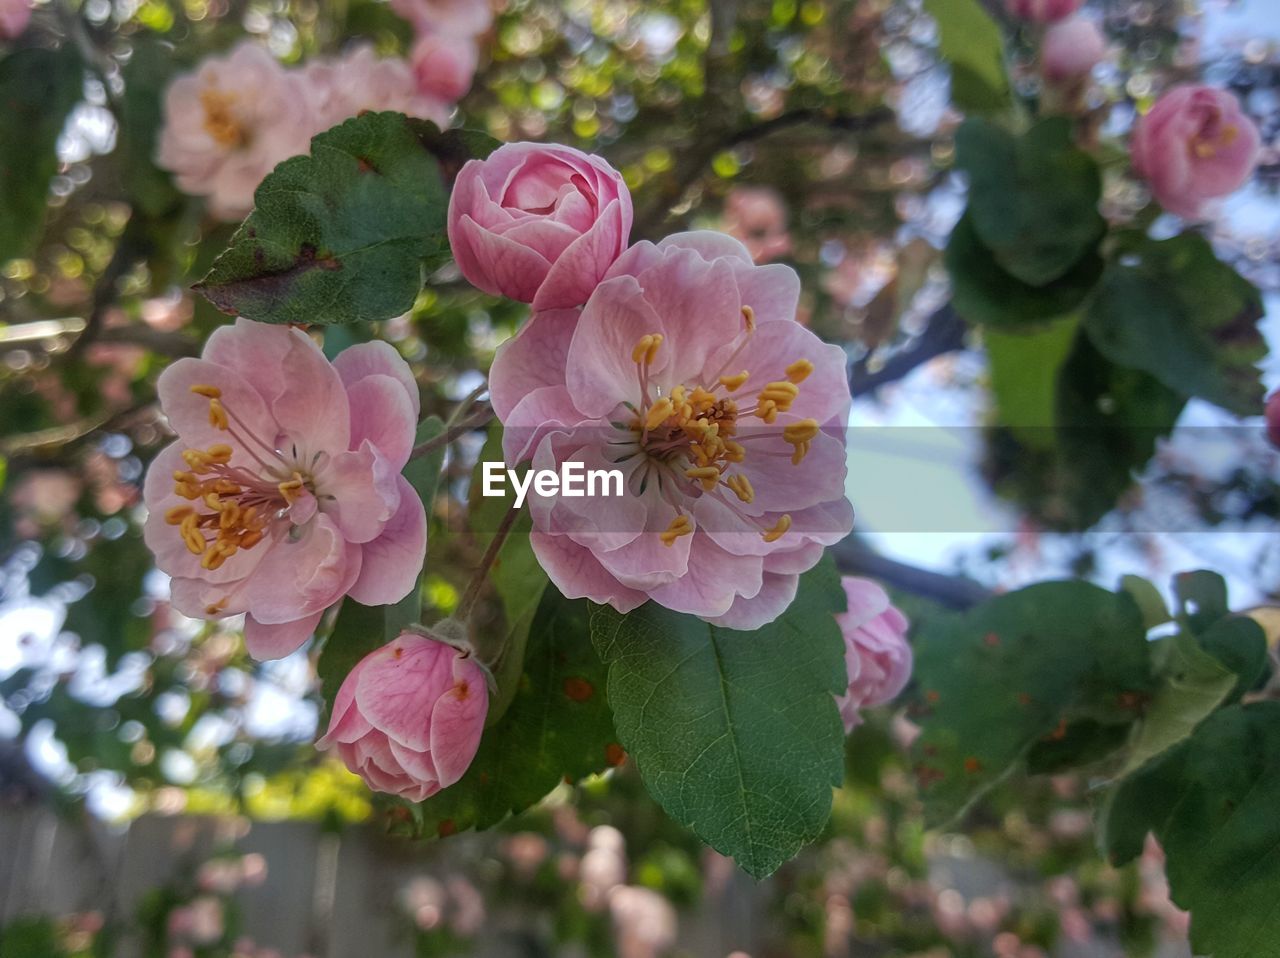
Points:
(360, 81)
(1071, 49)
(14, 17)
(283, 492)
(1273, 419)
(1194, 145)
(444, 65)
(460, 18)
(408, 717)
(687, 372)
(537, 223)
(1042, 11)
(876, 652)
(227, 125)
(757, 217)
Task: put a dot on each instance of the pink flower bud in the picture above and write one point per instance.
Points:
(876, 652)
(539, 224)
(444, 65)
(14, 16)
(1072, 48)
(408, 718)
(1273, 419)
(1042, 11)
(1194, 145)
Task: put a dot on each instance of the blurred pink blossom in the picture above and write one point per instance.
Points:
(1071, 49)
(1042, 11)
(876, 652)
(444, 65)
(756, 216)
(14, 16)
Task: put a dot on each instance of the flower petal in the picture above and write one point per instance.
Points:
(392, 562)
(302, 576)
(378, 358)
(264, 642)
(381, 413)
(359, 490)
(532, 358)
(312, 407)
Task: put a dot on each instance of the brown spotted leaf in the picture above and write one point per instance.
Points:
(345, 233)
(557, 727)
(1022, 671)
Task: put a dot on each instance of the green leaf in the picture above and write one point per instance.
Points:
(985, 293)
(1109, 421)
(516, 576)
(1149, 599)
(1174, 310)
(1017, 670)
(1024, 375)
(1240, 644)
(1211, 803)
(1202, 598)
(344, 234)
(361, 629)
(1193, 684)
(557, 727)
(38, 89)
(971, 42)
(1033, 199)
(736, 734)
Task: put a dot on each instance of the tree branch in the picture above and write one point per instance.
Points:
(952, 591)
(944, 333)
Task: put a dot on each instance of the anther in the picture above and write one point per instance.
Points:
(680, 526)
(646, 350)
(178, 513)
(799, 371)
(774, 533)
(658, 413)
(734, 382)
(749, 317)
(218, 415)
(708, 476)
(741, 487)
(209, 392)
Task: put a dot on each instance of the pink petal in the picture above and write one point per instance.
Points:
(866, 599)
(534, 417)
(399, 686)
(188, 413)
(264, 642)
(382, 414)
(578, 575)
(378, 358)
(600, 371)
(532, 358)
(715, 580)
(775, 596)
(298, 577)
(710, 244)
(457, 722)
(577, 271)
(360, 491)
(392, 562)
(312, 407)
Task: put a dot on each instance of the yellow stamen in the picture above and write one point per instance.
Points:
(775, 533)
(209, 392)
(734, 451)
(219, 453)
(749, 317)
(708, 476)
(680, 526)
(767, 410)
(177, 514)
(741, 487)
(734, 382)
(250, 539)
(799, 371)
(783, 393)
(646, 350)
(218, 415)
(658, 413)
(802, 431)
(216, 607)
(291, 488)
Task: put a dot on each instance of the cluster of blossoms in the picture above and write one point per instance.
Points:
(680, 364)
(14, 17)
(228, 123)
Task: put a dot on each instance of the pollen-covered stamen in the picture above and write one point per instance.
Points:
(799, 371)
(800, 435)
(221, 418)
(680, 526)
(735, 381)
(740, 485)
(707, 476)
(777, 530)
(1213, 138)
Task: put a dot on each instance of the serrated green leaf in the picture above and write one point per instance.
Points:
(1174, 310)
(1033, 199)
(735, 734)
(983, 292)
(1018, 669)
(557, 727)
(38, 89)
(344, 234)
(1211, 802)
(971, 42)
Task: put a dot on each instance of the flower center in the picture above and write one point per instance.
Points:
(693, 431)
(220, 120)
(1214, 135)
(234, 507)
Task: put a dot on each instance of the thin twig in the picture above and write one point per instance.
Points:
(944, 333)
(490, 556)
(952, 591)
(478, 418)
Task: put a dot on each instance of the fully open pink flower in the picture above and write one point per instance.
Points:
(1042, 11)
(876, 652)
(538, 223)
(444, 65)
(229, 123)
(1194, 145)
(14, 17)
(686, 371)
(283, 491)
(1071, 49)
(359, 80)
(462, 18)
(408, 718)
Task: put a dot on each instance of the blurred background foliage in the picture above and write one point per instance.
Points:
(840, 113)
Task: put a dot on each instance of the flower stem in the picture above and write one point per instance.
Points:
(453, 431)
(490, 556)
